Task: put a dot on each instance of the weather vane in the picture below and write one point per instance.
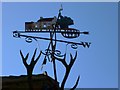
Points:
(60, 24)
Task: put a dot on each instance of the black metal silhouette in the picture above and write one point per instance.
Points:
(30, 66)
(29, 38)
(67, 68)
(52, 26)
(64, 21)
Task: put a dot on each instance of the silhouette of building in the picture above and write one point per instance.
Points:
(42, 23)
(39, 82)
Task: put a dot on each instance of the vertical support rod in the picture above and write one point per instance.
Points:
(53, 46)
(55, 73)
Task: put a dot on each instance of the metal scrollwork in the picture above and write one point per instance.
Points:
(74, 46)
(28, 39)
(49, 52)
(16, 34)
(58, 53)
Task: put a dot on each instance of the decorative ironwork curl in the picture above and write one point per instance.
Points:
(74, 46)
(49, 52)
(58, 53)
(28, 39)
(16, 34)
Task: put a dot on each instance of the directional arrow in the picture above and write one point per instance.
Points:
(84, 44)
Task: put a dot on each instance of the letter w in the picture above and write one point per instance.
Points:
(86, 44)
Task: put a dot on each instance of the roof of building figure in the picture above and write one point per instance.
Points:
(45, 19)
(29, 22)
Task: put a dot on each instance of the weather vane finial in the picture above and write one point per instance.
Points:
(61, 8)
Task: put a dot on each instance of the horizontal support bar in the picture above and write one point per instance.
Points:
(85, 44)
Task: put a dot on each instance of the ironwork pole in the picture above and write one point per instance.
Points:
(53, 47)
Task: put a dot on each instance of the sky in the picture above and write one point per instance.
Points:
(97, 65)
(1, 39)
(60, 0)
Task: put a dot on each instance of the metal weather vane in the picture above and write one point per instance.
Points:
(59, 24)
(52, 25)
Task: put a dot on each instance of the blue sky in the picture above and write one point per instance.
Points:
(1, 39)
(97, 65)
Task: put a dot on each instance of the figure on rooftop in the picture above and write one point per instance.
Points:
(64, 21)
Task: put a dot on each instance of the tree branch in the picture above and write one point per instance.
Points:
(72, 59)
(61, 60)
(76, 83)
(38, 56)
(24, 59)
(33, 58)
(30, 67)
(68, 68)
